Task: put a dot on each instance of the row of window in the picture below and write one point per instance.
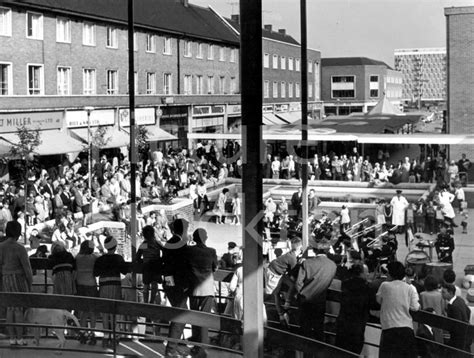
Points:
(34, 30)
(282, 87)
(35, 80)
(290, 63)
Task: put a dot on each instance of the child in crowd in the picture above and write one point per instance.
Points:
(420, 217)
(430, 218)
(439, 217)
(464, 216)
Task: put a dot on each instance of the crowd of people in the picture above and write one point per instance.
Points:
(182, 267)
(355, 167)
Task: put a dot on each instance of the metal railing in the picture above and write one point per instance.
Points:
(216, 323)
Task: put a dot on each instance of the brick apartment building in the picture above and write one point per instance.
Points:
(460, 64)
(59, 56)
(356, 84)
(282, 76)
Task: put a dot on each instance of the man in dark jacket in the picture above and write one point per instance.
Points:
(202, 263)
(297, 202)
(314, 277)
(458, 310)
(176, 277)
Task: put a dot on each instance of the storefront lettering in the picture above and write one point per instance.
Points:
(40, 120)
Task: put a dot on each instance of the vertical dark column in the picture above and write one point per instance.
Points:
(304, 119)
(178, 54)
(133, 148)
(251, 79)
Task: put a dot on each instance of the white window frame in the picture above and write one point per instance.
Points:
(266, 60)
(93, 86)
(200, 50)
(275, 89)
(283, 62)
(9, 78)
(266, 89)
(210, 52)
(310, 89)
(112, 35)
(297, 65)
(221, 53)
(233, 55)
(188, 48)
(34, 35)
(233, 85)
(112, 90)
(210, 85)
(310, 66)
(275, 62)
(199, 84)
(354, 82)
(167, 83)
(150, 83)
(291, 64)
(167, 50)
(221, 84)
(282, 89)
(41, 87)
(378, 89)
(6, 29)
(150, 44)
(63, 30)
(188, 85)
(60, 84)
(290, 89)
(297, 90)
(85, 40)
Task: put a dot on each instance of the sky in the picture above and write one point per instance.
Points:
(347, 28)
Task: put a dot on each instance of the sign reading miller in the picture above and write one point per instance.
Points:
(9, 122)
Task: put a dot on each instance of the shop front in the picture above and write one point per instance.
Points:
(174, 120)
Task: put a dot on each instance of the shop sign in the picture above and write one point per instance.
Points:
(234, 109)
(172, 112)
(267, 109)
(143, 116)
(100, 117)
(200, 111)
(10, 122)
(281, 108)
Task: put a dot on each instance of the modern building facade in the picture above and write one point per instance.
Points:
(356, 84)
(460, 81)
(424, 73)
(282, 75)
(61, 56)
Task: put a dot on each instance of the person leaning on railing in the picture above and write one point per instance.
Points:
(109, 267)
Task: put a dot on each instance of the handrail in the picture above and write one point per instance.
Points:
(421, 317)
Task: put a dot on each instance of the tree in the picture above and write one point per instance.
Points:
(99, 139)
(141, 141)
(25, 150)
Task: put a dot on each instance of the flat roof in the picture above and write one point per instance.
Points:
(458, 10)
(352, 61)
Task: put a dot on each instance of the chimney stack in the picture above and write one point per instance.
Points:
(235, 18)
(267, 27)
(282, 31)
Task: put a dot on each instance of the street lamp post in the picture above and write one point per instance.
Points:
(89, 161)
